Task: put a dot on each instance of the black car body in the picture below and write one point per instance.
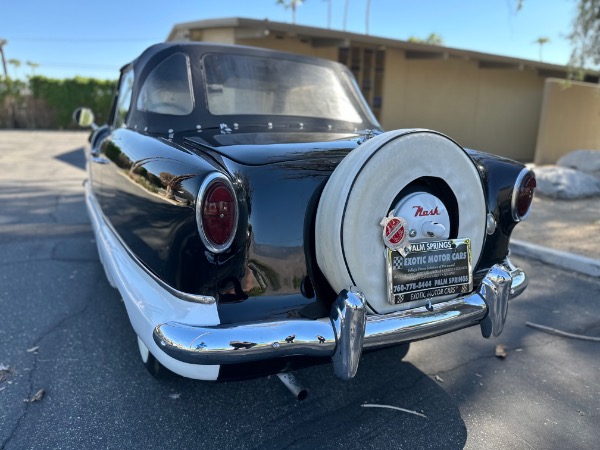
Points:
(255, 217)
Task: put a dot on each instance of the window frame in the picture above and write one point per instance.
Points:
(126, 74)
(190, 86)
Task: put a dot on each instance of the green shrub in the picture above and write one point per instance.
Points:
(63, 96)
(43, 102)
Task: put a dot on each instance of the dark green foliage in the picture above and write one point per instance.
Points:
(43, 102)
(63, 96)
(432, 39)
(585, 36)
(12, 101)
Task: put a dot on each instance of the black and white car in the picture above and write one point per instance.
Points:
(256, 218)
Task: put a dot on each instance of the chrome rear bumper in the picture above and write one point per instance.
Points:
(348, 330)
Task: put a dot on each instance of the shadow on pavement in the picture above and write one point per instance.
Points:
(74, 157)
(546, 389)
(95, 384)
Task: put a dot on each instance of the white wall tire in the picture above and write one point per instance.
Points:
(360, 192)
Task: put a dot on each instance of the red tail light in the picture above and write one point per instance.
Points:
(217, 213)
(523, 194)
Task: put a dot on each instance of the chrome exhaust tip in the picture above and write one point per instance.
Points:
(290, 382)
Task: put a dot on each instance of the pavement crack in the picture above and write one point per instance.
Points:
(31, 374)
(55, 209)
(521, 439)
(461, 365)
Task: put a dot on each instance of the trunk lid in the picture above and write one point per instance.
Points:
(257, 149)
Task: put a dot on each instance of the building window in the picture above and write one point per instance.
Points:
(367, 66)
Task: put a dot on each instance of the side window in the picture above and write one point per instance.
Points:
(124, 98)
(168, 88)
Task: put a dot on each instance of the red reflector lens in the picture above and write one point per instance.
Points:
(218, 213)
(525, 195)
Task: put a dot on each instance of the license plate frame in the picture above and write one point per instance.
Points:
(429, 269)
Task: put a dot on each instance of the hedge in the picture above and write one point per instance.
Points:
(49, 103)
(63, 96)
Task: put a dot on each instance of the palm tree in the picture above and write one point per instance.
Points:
(346, 13)
(367, 16)
(541, 41)
(328, 13)
(32, 66)
(290, 4)
(11, 99)
(16, 63)
(3, 42)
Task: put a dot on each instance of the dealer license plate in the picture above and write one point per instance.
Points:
(430, 269)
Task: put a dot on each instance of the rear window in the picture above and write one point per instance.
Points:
(248, 85)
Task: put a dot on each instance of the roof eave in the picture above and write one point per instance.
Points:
(414, 50)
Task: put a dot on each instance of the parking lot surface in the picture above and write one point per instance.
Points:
(65, 331)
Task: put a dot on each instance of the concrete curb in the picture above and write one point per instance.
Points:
(565, 260)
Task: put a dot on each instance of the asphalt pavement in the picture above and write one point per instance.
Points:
(65, 331)
(564, 233)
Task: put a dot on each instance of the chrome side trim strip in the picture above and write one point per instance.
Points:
(98, 219)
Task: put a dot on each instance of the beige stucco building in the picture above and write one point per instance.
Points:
(507, 106)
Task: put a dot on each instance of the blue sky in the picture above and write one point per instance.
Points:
(71, 37)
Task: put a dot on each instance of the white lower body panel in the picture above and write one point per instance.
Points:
(148, 303)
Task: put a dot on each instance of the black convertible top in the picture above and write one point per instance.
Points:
(200, 117)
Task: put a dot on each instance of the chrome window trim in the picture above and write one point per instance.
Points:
(127, 76)
(206, 184)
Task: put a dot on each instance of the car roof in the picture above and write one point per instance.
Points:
(164, 49)
(200, 118)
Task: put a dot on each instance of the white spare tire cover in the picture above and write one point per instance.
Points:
(360, 193)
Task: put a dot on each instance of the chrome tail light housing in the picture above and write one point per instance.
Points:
(523, 194)
(217, 212)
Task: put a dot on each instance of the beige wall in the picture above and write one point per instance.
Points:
(508, 113)
(493, 110)
(221, 35)
(570, 119)
(433, 94)
(291, 45)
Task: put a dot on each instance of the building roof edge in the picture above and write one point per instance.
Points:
(423, 50)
